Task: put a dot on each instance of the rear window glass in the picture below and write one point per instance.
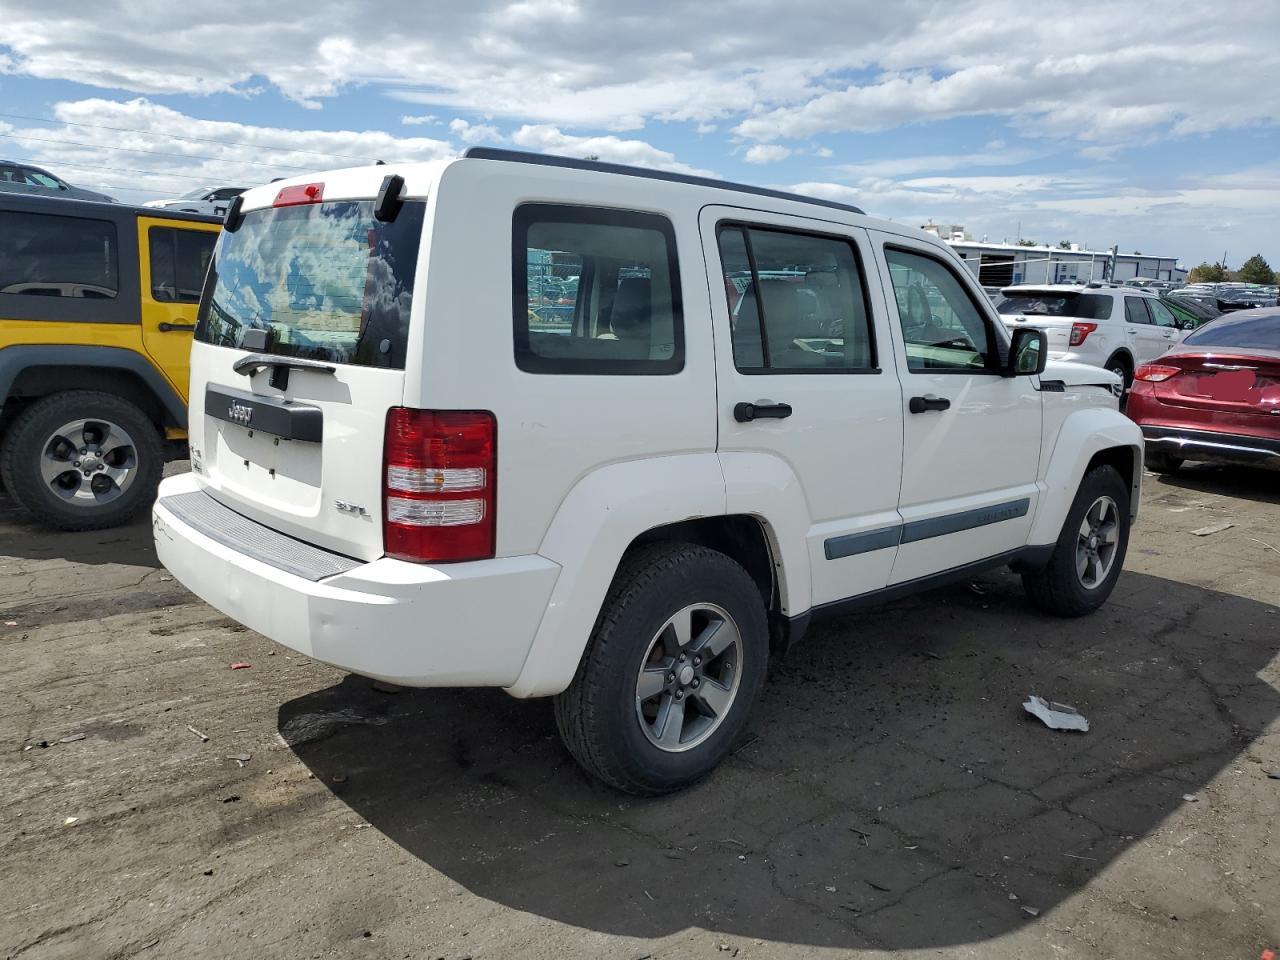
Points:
(1239, 332)
(179, 262)
(44, 256)
(326, 281)
(1079, 306)
(595, 291)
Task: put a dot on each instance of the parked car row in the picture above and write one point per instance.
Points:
(36, 181)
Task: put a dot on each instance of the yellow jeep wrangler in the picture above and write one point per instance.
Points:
(97, 306)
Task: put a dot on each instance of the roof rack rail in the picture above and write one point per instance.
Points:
(550, 160)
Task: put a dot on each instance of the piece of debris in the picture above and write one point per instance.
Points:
(914, 846)
(1056, 716)
(383, 687)
(977, 589)
(1031, 911)
(875, 886)
(861, 835)
(73, 738)
(1212, 529)
(165, 579)
(1077, 857)
(208, 873)
(648, 894)
(1190, 798)
(1265, 545)
(931, 655)
(204, 737)
(1273, 774)
(831, 889)
(11, 623)
(309, 727)
(723, 947)
(622, 862)
(1013, 897)
(339, 778)
(240, 758)
(70, 820)
(234, 798)
(241, 666)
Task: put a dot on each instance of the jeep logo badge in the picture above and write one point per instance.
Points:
(240, 413)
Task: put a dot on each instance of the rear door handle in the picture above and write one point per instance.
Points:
(167, 327)
(928, 402)
(761, 410)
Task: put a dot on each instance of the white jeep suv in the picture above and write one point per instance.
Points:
(615, 436)
(1116, 327)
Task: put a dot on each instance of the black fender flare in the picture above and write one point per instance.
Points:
(14, 360)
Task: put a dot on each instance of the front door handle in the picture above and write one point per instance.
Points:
(166, 327)
(928, 402)
(760, 410)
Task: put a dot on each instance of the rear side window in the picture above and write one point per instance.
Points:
(595, 292)
(797, 303)
(179, 262)
(1135, 310)
(57, 256)
(325, 281)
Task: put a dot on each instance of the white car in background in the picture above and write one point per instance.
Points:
(208, 200)
(1115, 327)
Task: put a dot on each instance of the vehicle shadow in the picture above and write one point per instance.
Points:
(894, 794)
(1245, 483)
(21, 536)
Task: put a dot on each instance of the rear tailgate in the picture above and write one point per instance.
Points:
(1057, 329)
(1241, 384)
(299, 354)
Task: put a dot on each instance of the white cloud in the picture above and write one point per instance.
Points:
(874, 66)
(766, 153)
(418, 121)
(548, 139)
(475, 132)
(138, 149)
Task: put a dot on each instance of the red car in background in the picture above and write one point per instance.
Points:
(1215, 396)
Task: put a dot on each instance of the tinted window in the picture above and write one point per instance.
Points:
(1160, 313)
(595, 292)
(179, 262)
(57, 256)
(1079, 306)
(1257, 332)
(941, 326)
(327, 281)
(796, 302)
(1135, 310)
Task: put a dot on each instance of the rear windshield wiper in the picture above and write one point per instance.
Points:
(279, 366)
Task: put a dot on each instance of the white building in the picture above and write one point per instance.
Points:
(1004, 264)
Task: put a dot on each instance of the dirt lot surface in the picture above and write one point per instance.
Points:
(895, 798)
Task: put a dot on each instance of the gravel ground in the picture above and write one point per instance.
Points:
(894, 797)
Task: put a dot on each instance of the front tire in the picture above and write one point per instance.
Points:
(1089, 554)
(82, 460)
(673, 669)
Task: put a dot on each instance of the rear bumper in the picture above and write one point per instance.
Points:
(1213, 446)
(463, 624)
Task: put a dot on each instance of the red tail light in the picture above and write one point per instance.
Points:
(298, 194)
(439, 485)
(1080, 331)
(1155, 372)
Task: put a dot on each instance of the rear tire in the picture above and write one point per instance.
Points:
(687, 626)
(1162, 462)
(1089, 554)
(1122, 367)
(115, 476)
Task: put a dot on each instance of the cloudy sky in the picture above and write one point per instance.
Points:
(1149, 125)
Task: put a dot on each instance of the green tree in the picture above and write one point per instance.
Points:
(1208, 273)
(1256, 270)
(1027, 243)
(1064, 244)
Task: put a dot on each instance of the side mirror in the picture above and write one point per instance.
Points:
(1028, 353)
